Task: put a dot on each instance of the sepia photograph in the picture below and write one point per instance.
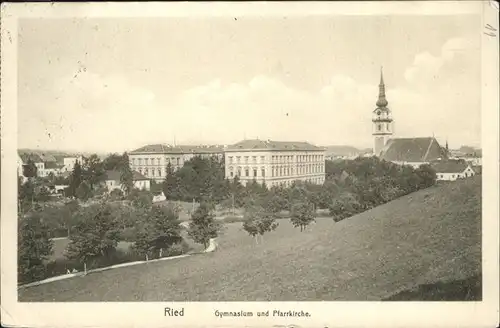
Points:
(298, 154)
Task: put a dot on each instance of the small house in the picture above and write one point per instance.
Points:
(113, 181)
(451, 170)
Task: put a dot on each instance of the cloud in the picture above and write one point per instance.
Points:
(111, 114)
(427, 68)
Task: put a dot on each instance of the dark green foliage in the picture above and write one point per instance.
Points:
(30, 170)
(302, 214)
(158, 232)
(126, 175)
(75, 180)
(95, 234)
(427, 175)
(112, 162)
(93, 170)
(140, 198)
(83, 191)
(203, 225)
(258, 221)
(33, 247)
(198, 179)
(116, 194)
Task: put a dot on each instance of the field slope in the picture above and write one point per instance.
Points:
(429, 237)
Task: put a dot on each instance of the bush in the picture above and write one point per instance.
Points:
(128, 234)
(33, 248)
(177, 249)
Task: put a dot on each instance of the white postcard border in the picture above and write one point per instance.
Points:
(324, 314)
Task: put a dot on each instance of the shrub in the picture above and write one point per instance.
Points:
(34, 248)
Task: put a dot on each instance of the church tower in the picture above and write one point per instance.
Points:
(382, 120)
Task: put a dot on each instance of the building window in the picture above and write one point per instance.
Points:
(239, 171)
(263, 172)
(254, 159)
(159, 172)
(379, 127)
(255, 173)
(262, 159)
(230, 159)
(178, 160)
(238, 159)
(246, 172)
(146, 172)
(246, 159)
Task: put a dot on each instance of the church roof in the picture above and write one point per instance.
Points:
(256, 144)
(449, 166)
(412, 150)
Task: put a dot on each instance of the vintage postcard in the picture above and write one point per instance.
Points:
(258, 164)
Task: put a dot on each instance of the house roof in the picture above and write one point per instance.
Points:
(256, 144)
(413, 150)
(52, 165)
(47, 158)
(449, 166)
(180, 149)
(115, 175)
(26, 157)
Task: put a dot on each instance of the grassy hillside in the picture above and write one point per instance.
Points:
(427, 237)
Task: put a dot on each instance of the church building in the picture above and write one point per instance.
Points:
(403, 151)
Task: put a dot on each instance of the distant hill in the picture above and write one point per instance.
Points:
(344, 150)
(57, 152)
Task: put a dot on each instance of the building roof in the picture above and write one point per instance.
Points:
(26, 157)
(52, 165)
(256, 144)
(413, 150)
(180, 149)
(449, 166)
(115, 175)
(47, 158)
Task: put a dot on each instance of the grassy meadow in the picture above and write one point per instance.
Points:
(392, 252)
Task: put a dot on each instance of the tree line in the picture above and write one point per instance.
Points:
(94, 229)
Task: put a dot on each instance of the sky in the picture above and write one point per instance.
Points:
(116, 84)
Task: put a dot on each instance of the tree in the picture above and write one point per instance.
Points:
(160, 231)
(302, 214)
(25, 194)
(75, 180)
(171, 185)
(93, 170)
(203, 225)
(34, 246)
(83, 191)
(116, 194)
(258, 221)
(112, 162)
(126, 174)
(140, 198)
(427, 175)
(95, 234)
(29, 169)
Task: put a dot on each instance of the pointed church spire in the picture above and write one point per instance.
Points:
(382, 101)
